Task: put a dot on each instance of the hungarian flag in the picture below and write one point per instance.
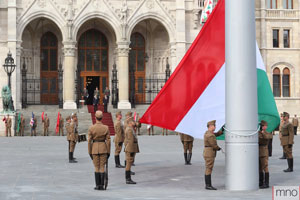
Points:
(134, 116)
(195, 92)
(57, 124)
(207, 10)
(42, 116)
(19, 122)
(32, 120)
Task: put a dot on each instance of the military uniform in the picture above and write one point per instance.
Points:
(33, 128)
(46, 126)
(99, 148)
(61, 126)
(187, 142)
(287, 141)
(119, 139)
(131, 148)
(8, 127)
(75, 121)
(22, 126)
(295, 123)
(71, 138)
(264, 139)
(210, 150)
(280, 138)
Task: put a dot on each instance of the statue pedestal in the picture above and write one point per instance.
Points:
(2, 124)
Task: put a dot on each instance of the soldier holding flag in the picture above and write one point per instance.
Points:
(46, 122)
(33, 125)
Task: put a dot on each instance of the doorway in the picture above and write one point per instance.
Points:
(91, 83)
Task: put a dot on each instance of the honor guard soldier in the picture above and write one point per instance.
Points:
(280, 136)
(119, 138)
(8, 126)
(75, 121)
(99, 148)
(61, 125)
(46, 125)
(33, 126)
(295, 124)
(128, 116)
(264, 138)
(287, 140)
(131, 148)
(187, 142)
(210, 150)
(22, 126)
(71, 139)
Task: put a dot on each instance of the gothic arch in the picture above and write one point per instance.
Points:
(282, 65)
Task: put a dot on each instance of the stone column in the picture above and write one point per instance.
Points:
(180, 30)
(18, 75)
(69, 75)
(173, 59)
(123, 69)
(263, 31)
(12, 44)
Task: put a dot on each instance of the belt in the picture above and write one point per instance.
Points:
(207, 146)
(135, 142)
(262, 145)
(284, 135)
(98, 140)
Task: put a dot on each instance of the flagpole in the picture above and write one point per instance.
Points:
(241, 96)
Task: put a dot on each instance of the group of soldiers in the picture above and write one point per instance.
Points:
(33, 125)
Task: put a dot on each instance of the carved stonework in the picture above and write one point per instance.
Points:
(150, 4)
(41, 3)
(123, 51)
(69, 49)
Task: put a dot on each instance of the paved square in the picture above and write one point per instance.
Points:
(37, 168)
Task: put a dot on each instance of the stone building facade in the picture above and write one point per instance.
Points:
(88, 36)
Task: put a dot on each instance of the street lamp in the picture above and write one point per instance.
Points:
(9, 67)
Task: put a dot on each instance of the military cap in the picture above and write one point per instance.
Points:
(263, 123)
(68, 118)
(99, 114)
(286, 114)
(213, 122)
(118, 113)
(129, 113)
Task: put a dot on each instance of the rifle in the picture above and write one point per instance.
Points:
(106, 175)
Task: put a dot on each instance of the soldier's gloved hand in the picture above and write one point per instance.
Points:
(131, 154)
(219, 149)
(290, 145)
(223, 128)
(91, 156)
(108, 155)
(120, 143)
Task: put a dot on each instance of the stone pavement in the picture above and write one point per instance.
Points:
(37, 168)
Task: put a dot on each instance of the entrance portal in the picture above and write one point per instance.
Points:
(91, 83)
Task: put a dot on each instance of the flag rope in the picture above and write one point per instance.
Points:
(242, 135)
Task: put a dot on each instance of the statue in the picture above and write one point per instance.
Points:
(124, 19)
(7, 99)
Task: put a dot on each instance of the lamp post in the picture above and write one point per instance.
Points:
(114, 85)
(24, 85)
(9, 67)
(60, 85)
(168, 71)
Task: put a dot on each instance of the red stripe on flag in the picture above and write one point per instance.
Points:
(198, 67)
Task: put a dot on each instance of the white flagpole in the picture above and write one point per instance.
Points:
(241, 96)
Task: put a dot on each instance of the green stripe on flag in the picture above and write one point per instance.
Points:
(267, 109)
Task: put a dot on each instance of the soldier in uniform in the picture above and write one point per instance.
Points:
(138, 124)
(8, 126)
(264, 138)
(75, 121)
(71, 138)
(287, 140)
(61, 125)
(131, 148)
(295, 124)
(119, 138)
(22, 125)
(46, 125)
(33, 127)
(187, 142)
(210, 150)
(280, 136)
(128, 116)
(99, 148)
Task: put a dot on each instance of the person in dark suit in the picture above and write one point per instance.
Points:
(105, 102)
(95, 103)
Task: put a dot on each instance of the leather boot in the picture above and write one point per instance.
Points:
(208, 185)
(266, 183)
(290, 165)
(132, 173)
(117, 161)
(189, 158)
(101, 177)
(185, 158)
(97, 181)
(261, 179)
(128, 178)
(71, 160)
(283, 156)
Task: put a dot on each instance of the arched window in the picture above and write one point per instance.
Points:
(286, 82)
(276, 82)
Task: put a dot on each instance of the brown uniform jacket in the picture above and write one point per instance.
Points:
(125, 124)
(8, 123)
(186, 138)
(263, 142)
(61, 122)
(295, 121)
(131, 141)
(287, 134)
(210, 144)
(98, 139)
(46, 122)
(70, 132)
(119, 137)
(22, 122)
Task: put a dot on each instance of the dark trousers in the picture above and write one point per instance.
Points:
(95, 107)
(270, 147)
(105, 107)
(295, 130)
